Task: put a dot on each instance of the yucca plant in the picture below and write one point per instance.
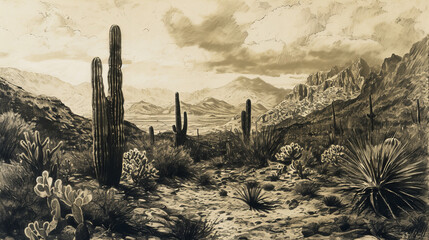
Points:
(385, 178)
(187, 229)
(251, 194)
(265, 144)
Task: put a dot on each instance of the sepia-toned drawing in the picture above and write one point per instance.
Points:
(214, 119)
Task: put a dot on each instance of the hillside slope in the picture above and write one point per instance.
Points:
(52, 118)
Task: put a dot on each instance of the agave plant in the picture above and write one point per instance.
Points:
(251, 194)
(385, 178)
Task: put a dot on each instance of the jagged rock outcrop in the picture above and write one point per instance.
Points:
(321, 89)
(389, 64)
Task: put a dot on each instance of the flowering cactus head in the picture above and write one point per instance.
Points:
(333, 155)
(43, 186)
(289, 153)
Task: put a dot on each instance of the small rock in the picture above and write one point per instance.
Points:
(139, 211)
(130, 238)
(293, 204)
(268, 187)
(9, 238)
(223, 193)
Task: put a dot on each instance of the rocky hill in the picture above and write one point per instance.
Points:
(52, 118)
(320, 90)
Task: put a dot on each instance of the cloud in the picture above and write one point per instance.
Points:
(300, 37)
(218, 32)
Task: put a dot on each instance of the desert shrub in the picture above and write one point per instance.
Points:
(187, 229)
(218, 162)
(417, 228)
(288, 153)
(82, 163)
(138, 168)
(251, 194)
(171, 161)
(385, 178)
(265, 145)
(307, 188)
(300, 168)
(18, 203)
(12, 127)
(236, 150)
(37, 156)
(205, 179)
(332, 201)
(112, 212)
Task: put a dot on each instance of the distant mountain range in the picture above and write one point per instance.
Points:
(394, 89)
(225, 100)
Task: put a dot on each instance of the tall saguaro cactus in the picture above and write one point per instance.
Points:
(108, 115)
(246, 120)
(371, 114)
(180, 133)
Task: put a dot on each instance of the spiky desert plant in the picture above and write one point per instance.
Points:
(37, 156)
(385, 178)
(12, 128)
(265, 144)
(179, 132)
(300, 168)
(332, 201)
(251, 194)
(108, 115)
(246, 120)
(185, 228)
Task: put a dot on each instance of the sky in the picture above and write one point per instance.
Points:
(185, 45)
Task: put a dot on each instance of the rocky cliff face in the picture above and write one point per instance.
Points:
(319, 91)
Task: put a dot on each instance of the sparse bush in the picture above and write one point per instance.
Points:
(218, 162)
(307, 189)
(187, 229)
(12, 127)
(138, 168)
(112, 212)
(38, 157)
(205, 179)
(251, 194)
(289, 153)
(332, 201)
(385, 178)
(172, 162)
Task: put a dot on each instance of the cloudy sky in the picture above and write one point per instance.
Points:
(187, 44)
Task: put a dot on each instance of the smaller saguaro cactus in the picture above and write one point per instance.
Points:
(246, 120)
(371, 114)
(418, 111)
(180, 133)
(333, 118)
(151, 135)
